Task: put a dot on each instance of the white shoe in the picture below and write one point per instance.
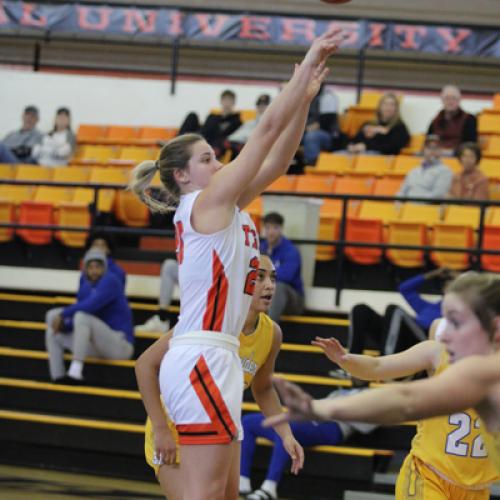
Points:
(154, 324)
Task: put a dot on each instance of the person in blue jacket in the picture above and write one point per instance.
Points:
(397, 330)
(99, 324)
(289, 295)
(105, 243)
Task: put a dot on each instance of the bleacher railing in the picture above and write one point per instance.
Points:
(340, 243)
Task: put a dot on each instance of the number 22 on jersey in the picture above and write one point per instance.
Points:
(455, 441)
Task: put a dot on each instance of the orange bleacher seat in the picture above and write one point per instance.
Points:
(493, 216)
(329, 163)
(406, 233)
(71, 214)
(71, 174)
(90, 133)
(377, 165)
(36, 214)
(385, 211)
(496, 101)
(133, 155)
(255, 209)
(491, 241)
(387, 186)
(452, 236)
(494, 190)
(53, 195)
(7, 171)
(490, 167)
(130, 210)
(315, 184)
(415, 146)
(423, 214)
(7, 215)
(120, 134)
(248, 114)
(92, 154)
(354, 118)
(283, 183)
(33, 173)
(403, 164)
(152, 135)
(354, 185)
(17, 194)
(493, 149)
(462, 216)
(364, 231)
(452, 163)
(370, 99)
(488, 123)
(327, 230)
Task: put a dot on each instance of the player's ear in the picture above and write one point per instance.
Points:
(181, 176)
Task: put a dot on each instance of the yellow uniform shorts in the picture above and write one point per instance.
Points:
(416, 481)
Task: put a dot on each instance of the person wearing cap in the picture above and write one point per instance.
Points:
(57, 146)
(99, 324)
(431, 179)
(17, 145)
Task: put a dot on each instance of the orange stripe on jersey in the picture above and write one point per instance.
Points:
(213, 403)
(217, 297)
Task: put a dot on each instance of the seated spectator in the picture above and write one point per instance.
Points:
(99, 324)
(386, 135)
(307, 434)
(431, 179)
(396, 330)
(322, 129)
(289, 295)
(217, 126)
(17, 145)
(57, 146)
(471, 183)
(452, 124)
(104, 243)
(239, 138)
(169, 278)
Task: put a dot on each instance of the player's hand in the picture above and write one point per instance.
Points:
(324, 46)
(318, 77)
(299, 404)
(333, 349)
(296, 453)
(165, 446)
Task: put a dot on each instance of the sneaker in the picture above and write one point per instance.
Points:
(154, 324)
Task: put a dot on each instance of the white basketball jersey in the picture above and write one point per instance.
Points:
(217, 272)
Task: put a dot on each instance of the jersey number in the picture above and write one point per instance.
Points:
(179, 242)
(251, 276)
(454, 440)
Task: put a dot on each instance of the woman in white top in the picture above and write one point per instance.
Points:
(217, 250)
(57, 146)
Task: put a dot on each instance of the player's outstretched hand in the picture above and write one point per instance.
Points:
(333, 349)
(324, 46)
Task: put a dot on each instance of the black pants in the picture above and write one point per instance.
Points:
(395, 331)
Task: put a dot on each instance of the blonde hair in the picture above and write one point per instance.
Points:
(481, 292)
(174, 155)
(396, 118)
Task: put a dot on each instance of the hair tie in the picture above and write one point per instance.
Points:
(157, 165)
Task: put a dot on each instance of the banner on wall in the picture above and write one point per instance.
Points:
(174, 23)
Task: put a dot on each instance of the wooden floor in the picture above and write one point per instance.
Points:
(18, 483)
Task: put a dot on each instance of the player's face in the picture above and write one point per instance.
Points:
(451, 100)
(463, 334)
(272, 233)
(202, 165)
(468, 159)
(94, 270)
(265, 285)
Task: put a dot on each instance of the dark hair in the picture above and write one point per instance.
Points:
(174, 155)
(100, 235)
(470, 146)
(228, 93)
(263, 99)
(274, 218)
(481, 292)
(31, 109)
(62, 111)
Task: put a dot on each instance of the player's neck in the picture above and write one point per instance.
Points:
(251, 322)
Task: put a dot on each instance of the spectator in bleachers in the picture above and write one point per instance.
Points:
(289, 295)
(386, 135)
(322, 128)
(471, 183)
(58, 145)
(169, 278)
(217, 126)
(307, 434)
(431, 179)
(17, 145)
(99, 324)
(105, 243)
(452, 124)
(239, 138)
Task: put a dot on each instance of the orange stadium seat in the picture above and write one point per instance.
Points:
(452, 236)
(364, 231)
(283, 183)
(17, 194)
(36, 214)
(415, 146)
(119, 134)
(490, 167)
(423, 214)
(329, 163)
(493, 216)
(354, 185)
(406, 233)
(71, 214)
(71, 174)
(496, 101)
(133, 155)
(7, 171)
(491, 241)
(247, 115)
(385, 211)
(33, 173)
(462, 216)
(452, 163)
(493, 148)
(387, 186)
(53, 195)
(403, 164)
(7, 215)
(130, 210)
(370, 99)
(256, 209)
(315, 184)
(488, 123)
(377, 165)
(151, 135)
(90, 133)
(91, 154)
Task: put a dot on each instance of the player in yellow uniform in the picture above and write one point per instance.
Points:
(260, 342)
(471, 308)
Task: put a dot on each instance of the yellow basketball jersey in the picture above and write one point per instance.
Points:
(453, 447)
(255, 348)
(492, 441)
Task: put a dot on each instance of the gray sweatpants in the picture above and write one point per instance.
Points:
(90, 337)
(286, 300)
(169, 277)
